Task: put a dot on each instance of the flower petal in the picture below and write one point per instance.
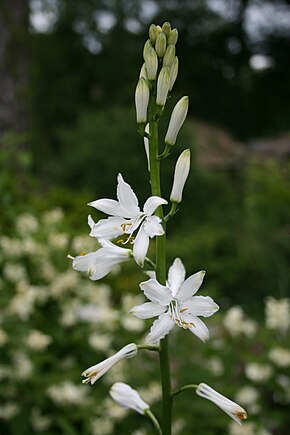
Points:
(152, 203)
(200, 306)
(199, 328)
(127, 198)
(155, 292)
(147, 310)
(153, 227)
(140, 247)
(161, 327)
(108, 228)
(91, 222)
(190, 286)
(108, 206)
(176, 276)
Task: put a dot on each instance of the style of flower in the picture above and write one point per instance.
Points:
(175, 303)
(126, 217)
(235, 411)
(92, 374)
(127, 397)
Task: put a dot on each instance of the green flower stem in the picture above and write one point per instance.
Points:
(148, 347)
(150, 263)
(184, 388)
(160, 262)
(154, 420)
(172, 212)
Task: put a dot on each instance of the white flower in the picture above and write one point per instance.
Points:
(180, 176)
(235, 411)
(126, 217)
(93, 373)
(125, 396)
(175, 304)
(280, 356)
(257, 372)
(177, 119)
(142, 95)
(99, 263)
(278, 314)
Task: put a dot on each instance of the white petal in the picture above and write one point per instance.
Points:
(91, 222)
(176, 276)
(140, 247)
(161, 327)
(199, 328)
(108, 206)
(200, 306)
(156, 292)
(127, 198)
(152, 204)
(108, 228)
(190, 286)
(82, 263)
(153, 227)
(147, 310)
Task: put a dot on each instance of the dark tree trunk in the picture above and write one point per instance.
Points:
(13, 66)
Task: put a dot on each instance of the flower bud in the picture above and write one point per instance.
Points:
(125, 396)
(146, 146)
(160, 45)
(180, 176)
(143, 73)
(169, 55)
(173, 73)
(163, 84)
(173, 37)
(151, 61)
(152, 33)
(142, 95)
(166, 28)
(177, 119)
(146, 46)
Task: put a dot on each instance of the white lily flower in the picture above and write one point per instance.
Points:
(180, 176)
(101, 262)
(92, 374)
(235, 411)
(127, 397)
(126, 217)
(175, 304)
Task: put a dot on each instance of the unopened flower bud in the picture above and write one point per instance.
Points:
(169, 55)
(177, 119)
(151, 61)
(160, 45)
(173, 72)
(166, 28)
(163, 84)
(142, 95)
(153, 33)
(180, 176)
(146, 46)
(146, 146)
(173, 37)
(125, 396)
(143, 73)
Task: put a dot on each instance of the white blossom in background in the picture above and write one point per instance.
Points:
(67, 393)
(278, 314)
(151, 392)
(92, 374)
(39, 421)
(58, 241)
(280, 356)
(249, 396)
(258, 372)
(235, 411)
(237, 323)
(22, 365)
(53, 217)
(175, 304)
(127, 397)
(9, 410)
(14, 272)
(215, 366)
(100, 342)
(27, 223)
(37, 340)
(99, 425)
(248, 428)
(3, 337)
(126, 218)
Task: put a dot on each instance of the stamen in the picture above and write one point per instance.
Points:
(241, 415)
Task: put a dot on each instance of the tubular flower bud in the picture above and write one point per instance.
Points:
(180, 176)
(146, 46)
(160, 45)
(153, 33)
(235, 411)
(169, 55)
(92, 374)
(173, 72)
(173, 37)
(125, 396)
(166, 28)
(142, 95)
(143, 73)
(151, 61)
(146, 146)
(177, 119)
(163, 84)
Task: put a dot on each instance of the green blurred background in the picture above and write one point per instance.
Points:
(68, 71)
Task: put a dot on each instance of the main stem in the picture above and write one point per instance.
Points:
(160, 265)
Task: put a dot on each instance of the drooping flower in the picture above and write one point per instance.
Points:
(92, 374)
(126, 217)
(175, 303)
(127, 397)
(235, 411)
